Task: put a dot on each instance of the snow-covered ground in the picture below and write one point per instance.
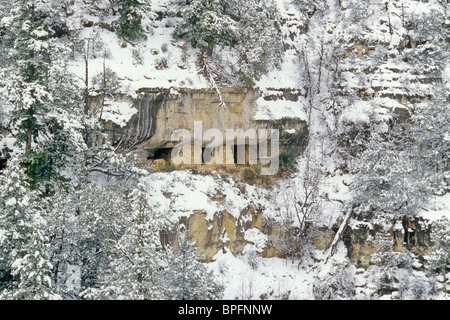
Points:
(249, 277)
(437, 208)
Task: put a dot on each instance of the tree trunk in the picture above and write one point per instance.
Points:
(338, 237)
(86, 79)
(104, 88)
(29, 140)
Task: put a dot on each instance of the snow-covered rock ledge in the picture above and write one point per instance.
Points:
(148, 120)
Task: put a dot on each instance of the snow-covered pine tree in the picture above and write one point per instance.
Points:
(251, 27)
(186, 278)
(206, 23)
(259, 38)
(63, 230)
(431, 131)
(337, 281)
(393, 271)
(43, 95)
(83, 214)
(81, 238)
(439, 258)
(138, 256)
(310, 6)
(427, 51)
(132, 12)
(23, 242)
(24, 82)
(388, 176)
(6, 37)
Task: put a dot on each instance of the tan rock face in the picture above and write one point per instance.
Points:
(225, 231)
(162, 111)
(323, 239)
(405, 234)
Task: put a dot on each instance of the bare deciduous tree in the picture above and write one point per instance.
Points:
(298, 208)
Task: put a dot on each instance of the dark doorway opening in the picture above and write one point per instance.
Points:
(235, 153)
(162, 154)
(248, 150)
(3, 164)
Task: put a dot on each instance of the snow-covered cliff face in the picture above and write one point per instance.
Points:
(242, 218)
(412, 234)
(159, 112)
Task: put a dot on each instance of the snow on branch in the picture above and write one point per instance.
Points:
(339, 234)
(208, 71)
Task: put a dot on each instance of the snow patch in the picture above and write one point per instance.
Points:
(118, 112)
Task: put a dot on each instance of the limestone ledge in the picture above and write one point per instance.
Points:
(163, 110)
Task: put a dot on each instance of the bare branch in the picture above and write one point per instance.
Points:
(208, 72)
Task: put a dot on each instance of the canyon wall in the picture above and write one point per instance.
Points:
(161, 111)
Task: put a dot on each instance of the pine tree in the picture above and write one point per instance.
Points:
(25, 81)
(431, 131)
(310, 6)
(23, 245)
(6, 36)
(206, 23)
(252, 28)
(129, 25)
(63, 230)
(260, 43)
(335, 282)
(439, 258)
(100, 214)
(426, 51)
(392, 270)
(388, 176)
(137, 255)
(43, 95)
(85, 216)
(187, 278)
